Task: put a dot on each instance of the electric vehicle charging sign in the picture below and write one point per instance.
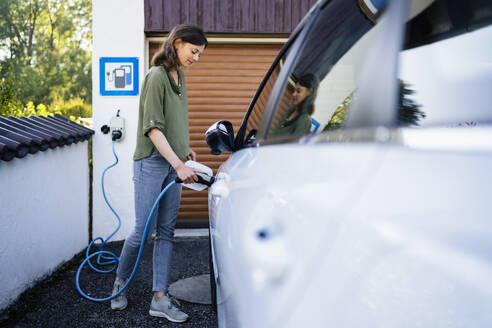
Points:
(118, 76)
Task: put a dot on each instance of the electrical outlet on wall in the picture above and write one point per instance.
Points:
(117, 123)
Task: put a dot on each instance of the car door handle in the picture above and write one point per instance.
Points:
(267, 252)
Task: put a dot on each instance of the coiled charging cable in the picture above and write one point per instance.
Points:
(108, 258)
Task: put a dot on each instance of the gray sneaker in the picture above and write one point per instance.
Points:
(119, 302)
(167, 308)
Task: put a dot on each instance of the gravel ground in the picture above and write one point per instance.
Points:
(55, 302)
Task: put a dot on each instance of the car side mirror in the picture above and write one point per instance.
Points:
(220, 137)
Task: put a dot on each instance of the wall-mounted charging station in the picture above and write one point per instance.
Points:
(116, 127)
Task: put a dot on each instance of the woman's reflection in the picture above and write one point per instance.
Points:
(297, 119)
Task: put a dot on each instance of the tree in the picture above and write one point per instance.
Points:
(409, 112)
(9, 103)
(45, 46)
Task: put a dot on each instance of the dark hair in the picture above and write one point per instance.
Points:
(310, 81)
(167, 56)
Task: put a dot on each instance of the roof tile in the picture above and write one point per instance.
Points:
(20, 136)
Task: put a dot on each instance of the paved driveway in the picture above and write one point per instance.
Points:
(55, 302)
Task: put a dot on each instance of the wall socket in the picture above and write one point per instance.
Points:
(117, 123)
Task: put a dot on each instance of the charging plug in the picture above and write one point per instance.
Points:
(116, 134)
(117, 127)
(205, 177)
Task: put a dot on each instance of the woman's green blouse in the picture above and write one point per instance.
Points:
(300, 124)
(163, 105)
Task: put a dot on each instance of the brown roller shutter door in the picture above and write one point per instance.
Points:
(220, 86)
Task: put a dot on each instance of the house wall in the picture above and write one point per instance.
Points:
(118, 31)
(227, 16)
(44, 215)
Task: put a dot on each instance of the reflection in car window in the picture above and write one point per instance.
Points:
(259, 107)
(447, 63)
(297, 119)
(445, 69)
(332, 53)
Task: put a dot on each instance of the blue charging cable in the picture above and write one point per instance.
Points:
(108, 258)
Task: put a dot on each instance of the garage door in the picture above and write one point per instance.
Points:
(220, 86)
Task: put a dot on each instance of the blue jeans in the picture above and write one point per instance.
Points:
(150, 176)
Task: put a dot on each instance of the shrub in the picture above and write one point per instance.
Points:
(72, 108)
(9, 104)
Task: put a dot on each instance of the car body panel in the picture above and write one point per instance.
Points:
(280, 205)
(353, 247)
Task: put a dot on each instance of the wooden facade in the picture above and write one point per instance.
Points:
(220, 86)
(226, 16)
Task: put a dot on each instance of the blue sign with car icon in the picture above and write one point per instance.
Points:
(118, 76)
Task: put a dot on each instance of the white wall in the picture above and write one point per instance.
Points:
(44, 215)
(118, 31)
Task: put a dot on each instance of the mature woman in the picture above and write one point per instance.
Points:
(297, 119)
(162, 144)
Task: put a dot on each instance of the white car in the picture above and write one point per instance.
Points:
(381, 215)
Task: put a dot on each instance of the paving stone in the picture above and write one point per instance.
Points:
(55, 302)
(193, 289)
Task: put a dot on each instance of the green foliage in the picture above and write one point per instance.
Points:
(73, 108)
(338, 118)
(409, 112)
(28, 110)
(45, 56)
(40, 109)
(9, 103)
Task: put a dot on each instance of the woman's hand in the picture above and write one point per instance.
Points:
(192, 155)
(186, 174)
(160, 142)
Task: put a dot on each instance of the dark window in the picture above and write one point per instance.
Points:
(446, 66)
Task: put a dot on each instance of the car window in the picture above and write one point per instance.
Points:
(258, 110)
(446, 65)
(445, 68)
(322, 82)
